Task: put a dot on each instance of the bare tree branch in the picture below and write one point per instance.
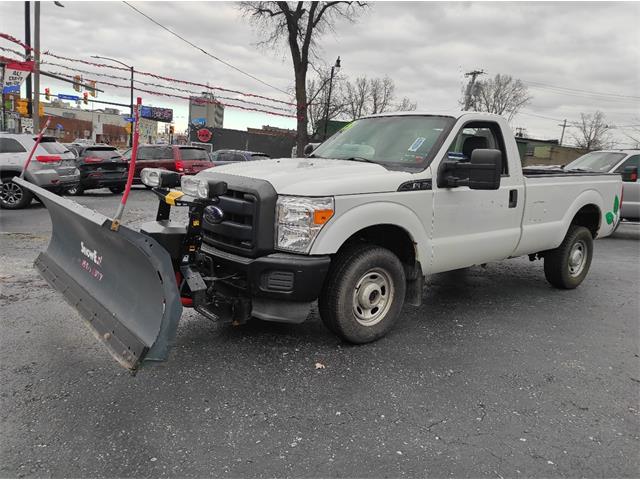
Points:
(502, 95)
(593, 131)
(300, 24)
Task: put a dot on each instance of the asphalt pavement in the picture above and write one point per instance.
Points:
(497, 375)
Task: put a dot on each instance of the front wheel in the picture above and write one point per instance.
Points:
(13, 196)
(116, 190)
(568, 265)
(363, 293)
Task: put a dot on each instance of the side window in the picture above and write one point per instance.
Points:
(478, 135)
(127, 154)
(215, 156)
(144, 153)
(9, 145)
(237, 157)
(226, 157)
(633, 161)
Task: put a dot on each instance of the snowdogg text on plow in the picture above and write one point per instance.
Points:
(356, 226)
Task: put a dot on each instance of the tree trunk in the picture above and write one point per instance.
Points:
(301, 101)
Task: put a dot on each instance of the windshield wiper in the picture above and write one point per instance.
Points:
(578, 169)
(359, 159)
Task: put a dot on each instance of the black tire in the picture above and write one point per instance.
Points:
(116, 190)
(568, 265)
(13, 196)
(75, 191)
(362, 268)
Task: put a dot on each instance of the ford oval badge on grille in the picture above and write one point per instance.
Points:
(213, 214)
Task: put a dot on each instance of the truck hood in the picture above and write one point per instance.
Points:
(317, 176)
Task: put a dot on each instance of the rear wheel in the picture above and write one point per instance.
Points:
(13, 196)
(568, 265)
(363, 293)
(116, 190)
(76, 191)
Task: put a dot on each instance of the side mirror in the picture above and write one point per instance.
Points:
(630, 174)
(486, 169)
(308, 149)
(483, 172)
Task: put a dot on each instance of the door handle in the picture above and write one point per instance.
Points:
(513, 198)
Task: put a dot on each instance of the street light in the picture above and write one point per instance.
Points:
(326, 113)
(131, 104)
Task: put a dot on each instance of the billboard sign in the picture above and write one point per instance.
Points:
(157, 113)
(14, 75)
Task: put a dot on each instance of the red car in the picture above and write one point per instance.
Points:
(183, 159)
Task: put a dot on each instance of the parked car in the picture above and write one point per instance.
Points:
(184, 159)
(52, 167)
(224, 157)
(100, 166)
(614, 161)
(74, 148)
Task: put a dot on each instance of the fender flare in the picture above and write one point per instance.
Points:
(588, 197)
(340, 229)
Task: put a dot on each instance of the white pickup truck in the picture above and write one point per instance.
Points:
(357, 225)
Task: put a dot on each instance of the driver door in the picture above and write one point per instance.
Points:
(476, 226)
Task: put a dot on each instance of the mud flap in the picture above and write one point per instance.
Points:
(121, 282)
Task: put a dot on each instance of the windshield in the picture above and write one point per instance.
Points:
(404, 141)
(596, 161)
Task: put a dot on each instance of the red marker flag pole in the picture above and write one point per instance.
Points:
(35, 145)
(115, 223)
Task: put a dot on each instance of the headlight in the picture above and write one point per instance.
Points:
(189, 185)
(203, 189)
(300, 219)
(156, 177)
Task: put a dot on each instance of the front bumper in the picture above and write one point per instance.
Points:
(278, 276)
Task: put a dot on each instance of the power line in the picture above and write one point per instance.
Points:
(585, 95)
(580, 90)
(203, 50)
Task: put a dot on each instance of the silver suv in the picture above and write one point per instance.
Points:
(52, 167)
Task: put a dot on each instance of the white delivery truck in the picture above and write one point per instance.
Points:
(356, 226)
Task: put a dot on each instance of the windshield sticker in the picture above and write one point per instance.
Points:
(417, 143)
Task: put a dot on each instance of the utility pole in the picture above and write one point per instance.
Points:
(467, 97)
(27, 51)
(563, 125)
(326, 113)
(35, 114)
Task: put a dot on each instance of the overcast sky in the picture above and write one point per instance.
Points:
(424, 47)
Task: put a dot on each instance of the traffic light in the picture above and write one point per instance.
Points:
(85, 98)
(21, 107)
(47, 94)
(77, 80)
(92, 91)
(171, 129)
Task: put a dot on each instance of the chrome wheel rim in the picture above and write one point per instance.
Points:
(72, 190)
(372, 297)
(10, 193)
(577, 258)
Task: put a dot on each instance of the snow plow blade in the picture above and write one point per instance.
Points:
(121, 282)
